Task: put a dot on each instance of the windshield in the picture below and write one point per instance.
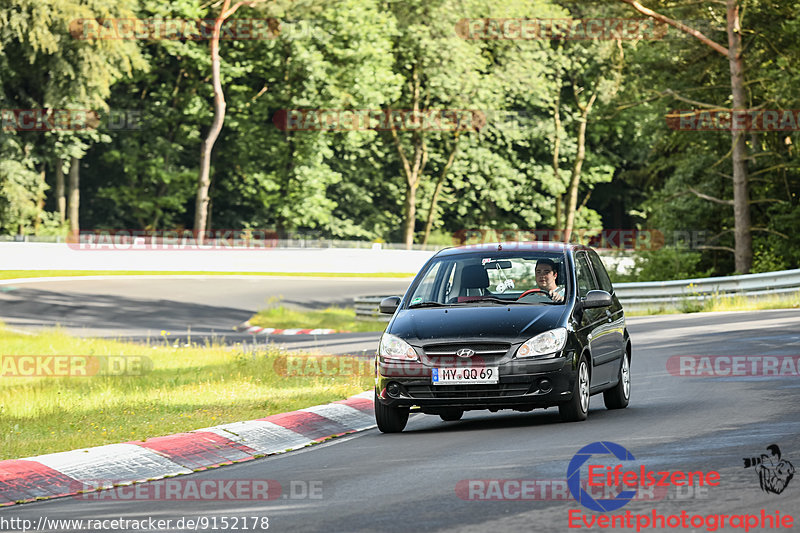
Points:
(500, 278)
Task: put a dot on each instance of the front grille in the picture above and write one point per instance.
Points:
(487, 352)
(501, 390)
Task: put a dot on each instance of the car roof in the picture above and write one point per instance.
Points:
(525, 246)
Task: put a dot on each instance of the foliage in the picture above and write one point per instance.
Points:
(370, 54)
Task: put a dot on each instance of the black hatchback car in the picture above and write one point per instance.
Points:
(477, 330)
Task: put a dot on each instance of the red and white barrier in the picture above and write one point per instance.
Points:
(65, 473)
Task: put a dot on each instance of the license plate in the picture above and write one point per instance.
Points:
(465, 376)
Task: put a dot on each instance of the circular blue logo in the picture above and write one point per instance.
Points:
(574, 476)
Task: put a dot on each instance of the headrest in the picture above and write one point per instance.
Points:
(474, 277)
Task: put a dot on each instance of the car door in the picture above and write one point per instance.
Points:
(608, 338)
(615, 314)
(592, 321)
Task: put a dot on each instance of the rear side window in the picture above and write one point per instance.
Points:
(600, 272)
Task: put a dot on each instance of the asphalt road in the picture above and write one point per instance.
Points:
(199, 308)
(413, 481)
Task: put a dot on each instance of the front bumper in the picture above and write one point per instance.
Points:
(522, 384)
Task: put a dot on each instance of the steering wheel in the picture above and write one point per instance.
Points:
(529, 291)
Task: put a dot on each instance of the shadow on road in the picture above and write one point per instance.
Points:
(40, 308)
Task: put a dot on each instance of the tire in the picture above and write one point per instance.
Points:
(390, 419)
(577, 409)
(451, 415)
(620, 395)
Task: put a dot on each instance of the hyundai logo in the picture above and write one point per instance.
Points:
(465, 352)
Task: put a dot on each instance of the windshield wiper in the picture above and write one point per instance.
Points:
(494, 299)
(427, 304)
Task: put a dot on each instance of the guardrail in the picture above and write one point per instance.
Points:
(367, 308)
(656, 294)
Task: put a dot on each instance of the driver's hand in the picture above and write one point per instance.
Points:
(556, 296)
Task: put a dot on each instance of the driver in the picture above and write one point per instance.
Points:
(546, 275)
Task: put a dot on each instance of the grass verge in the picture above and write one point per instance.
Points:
(184, 388)
(338, 318)
(15, 274)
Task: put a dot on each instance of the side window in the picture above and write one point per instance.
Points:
(583, 272)
(600, 272)
(425, 289)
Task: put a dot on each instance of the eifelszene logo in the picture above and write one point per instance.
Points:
(774, 473)
(574, 476)
(601, 475)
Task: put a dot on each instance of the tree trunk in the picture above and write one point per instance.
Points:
(74, 197)
(556, 149)
(743, 250)
(410, 213)
(39, 203)
(204, 177)
(437, 191)
(412, 170)
(743, 256)
(575, 179)
(413, 174)
(61, 199)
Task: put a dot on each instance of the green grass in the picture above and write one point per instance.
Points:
(733, 303)
(187, 388)
(338, 318)
(14, 274)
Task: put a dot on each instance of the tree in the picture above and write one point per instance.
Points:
(289, 165)
(741, 198)
(49, 64)
(204, 175)
(442, 71)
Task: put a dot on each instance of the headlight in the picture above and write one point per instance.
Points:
(396, 348)
(547, 343)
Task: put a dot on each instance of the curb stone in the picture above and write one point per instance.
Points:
(68, 473)
(246, 327)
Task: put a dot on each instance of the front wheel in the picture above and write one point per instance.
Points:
(619, 396)
(390, 419)
(577, 409)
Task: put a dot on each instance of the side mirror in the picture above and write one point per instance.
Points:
(596, 299)
(390, 304)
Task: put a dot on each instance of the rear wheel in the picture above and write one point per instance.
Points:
(390, 419)
(577, 408)
(618, 397)
(451, 415)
